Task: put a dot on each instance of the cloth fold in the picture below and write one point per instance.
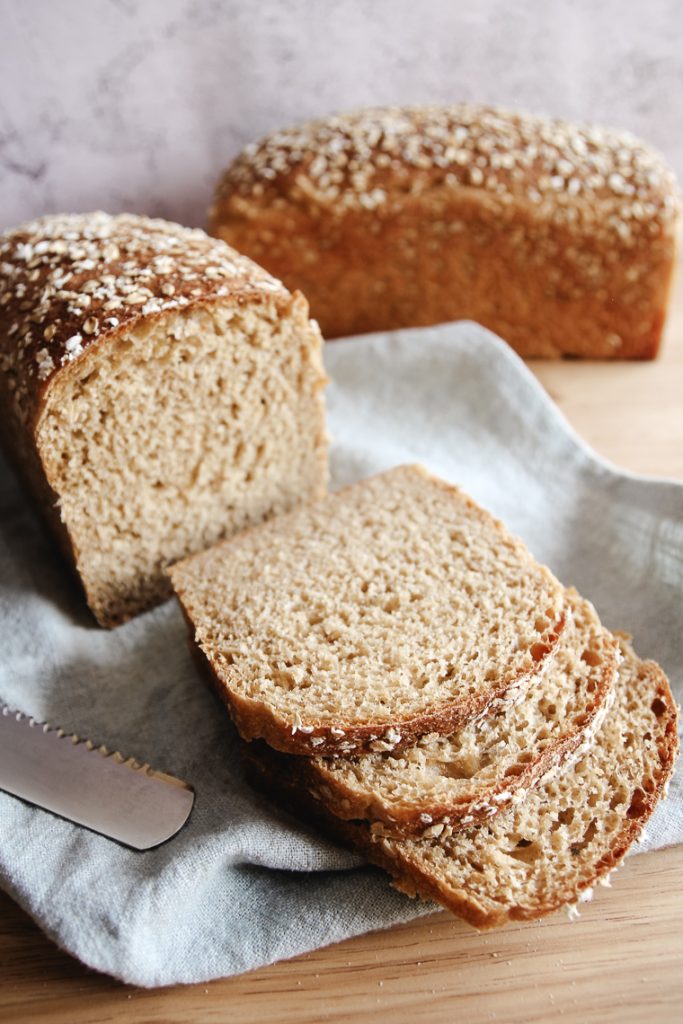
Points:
(243, 885)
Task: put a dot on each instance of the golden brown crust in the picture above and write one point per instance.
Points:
(69, 282)
(559, 237)
(290, 796)
(340, 162)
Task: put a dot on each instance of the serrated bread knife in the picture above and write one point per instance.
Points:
(89, 785)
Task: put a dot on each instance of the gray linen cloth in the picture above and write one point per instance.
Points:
(243, 885)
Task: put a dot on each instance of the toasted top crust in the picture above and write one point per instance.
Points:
(68, 281)
(369, 159)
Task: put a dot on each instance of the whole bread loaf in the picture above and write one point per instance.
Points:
(159, 392)
(548, 851)
(393, 608)
(560, 238)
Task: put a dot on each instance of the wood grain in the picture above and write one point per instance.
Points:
(631, 413)
(622, 961)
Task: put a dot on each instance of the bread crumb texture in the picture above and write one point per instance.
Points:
(548, 851)
(571, 831)
(361, 620)
(444, 782)
(163, 392)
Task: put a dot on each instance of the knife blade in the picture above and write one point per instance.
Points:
(106, 792)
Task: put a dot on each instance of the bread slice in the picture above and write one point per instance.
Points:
(394, 608)
(443, 782)
(551, 849)
(544, 853)
(159, 391)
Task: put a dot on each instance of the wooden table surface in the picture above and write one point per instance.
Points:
(621, 961)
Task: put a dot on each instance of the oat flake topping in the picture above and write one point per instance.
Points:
(66, 281)
(371, 158)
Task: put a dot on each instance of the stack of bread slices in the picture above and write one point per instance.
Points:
(409, 679)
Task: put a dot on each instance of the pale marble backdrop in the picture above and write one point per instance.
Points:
(137, 104)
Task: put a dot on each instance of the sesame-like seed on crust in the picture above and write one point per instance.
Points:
(363, 160)
(45, 363)
(61, 278)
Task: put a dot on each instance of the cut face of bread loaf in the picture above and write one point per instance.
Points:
(560, 238)
(444, 782)
(394, 608)
(548, 851)
(160, 392)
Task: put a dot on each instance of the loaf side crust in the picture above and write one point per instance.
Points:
(559, 237)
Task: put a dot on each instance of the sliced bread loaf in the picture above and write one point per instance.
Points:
(394, 608)
(443, 782)
(158, 391)
(548, 851)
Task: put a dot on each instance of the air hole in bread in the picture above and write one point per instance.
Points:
(525, 851)
(638, 806)
(465, 767)
(539, 651)
(658, 707)
(588, 836)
